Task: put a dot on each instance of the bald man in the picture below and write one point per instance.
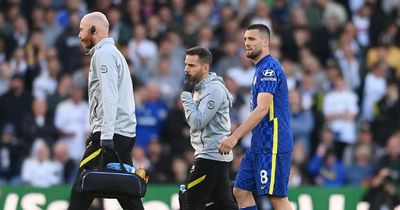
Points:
(112, 107)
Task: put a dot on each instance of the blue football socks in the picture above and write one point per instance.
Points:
(249, 208)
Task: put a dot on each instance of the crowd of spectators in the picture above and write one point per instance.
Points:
(341, 58)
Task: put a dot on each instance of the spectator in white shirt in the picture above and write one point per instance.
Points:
(374, 89)
(242, 74)
(332, 9)
(72, 119)
(46, 83)
(18, 63)
(340, 110)
(142, 53)
(350, 66)
(362, 21)
(39, 170)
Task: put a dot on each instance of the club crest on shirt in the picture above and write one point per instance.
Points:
(211, 104)
(103, 68)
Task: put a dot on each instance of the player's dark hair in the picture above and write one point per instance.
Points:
(204, 54)
(260, 27)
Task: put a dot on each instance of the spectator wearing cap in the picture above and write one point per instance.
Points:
(15, 104)
(9, 155)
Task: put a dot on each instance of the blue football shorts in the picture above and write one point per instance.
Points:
(265, 174)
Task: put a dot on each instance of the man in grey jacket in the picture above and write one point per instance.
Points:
(207, 102)
(112, 107)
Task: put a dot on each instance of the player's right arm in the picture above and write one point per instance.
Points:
(266, 83)
(264, 99)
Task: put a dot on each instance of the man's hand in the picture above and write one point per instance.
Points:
(227, 144)
(107, 145)
(188, 85)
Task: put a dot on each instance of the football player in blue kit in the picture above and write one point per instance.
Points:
(266, 165)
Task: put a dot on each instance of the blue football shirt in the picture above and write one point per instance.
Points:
(273, 133)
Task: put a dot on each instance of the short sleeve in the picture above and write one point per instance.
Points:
(267, 80)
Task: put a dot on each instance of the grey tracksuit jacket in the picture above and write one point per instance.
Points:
(111, 99)
(207, 113)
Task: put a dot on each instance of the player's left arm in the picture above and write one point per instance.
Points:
(107, 71)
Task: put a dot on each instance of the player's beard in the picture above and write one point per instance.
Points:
(254, 53)
(195, 78)
(87, 43)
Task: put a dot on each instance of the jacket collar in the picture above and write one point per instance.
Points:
(100, 44)
(211, 76)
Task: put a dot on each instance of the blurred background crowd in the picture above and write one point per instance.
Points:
(341, 58)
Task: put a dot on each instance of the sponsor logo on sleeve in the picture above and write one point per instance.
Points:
(269, 75)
